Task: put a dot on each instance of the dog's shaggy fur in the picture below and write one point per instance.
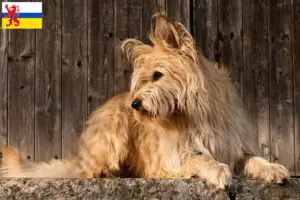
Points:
(182, 118)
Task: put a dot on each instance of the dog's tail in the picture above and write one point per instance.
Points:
(13, 165)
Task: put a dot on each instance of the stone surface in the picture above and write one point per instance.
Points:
(143, 189)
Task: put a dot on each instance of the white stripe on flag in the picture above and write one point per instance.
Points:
(25, 7)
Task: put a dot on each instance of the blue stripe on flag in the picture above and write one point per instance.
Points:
(26, 15)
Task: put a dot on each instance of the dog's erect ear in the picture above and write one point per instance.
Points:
(170, 33)
(164, 31)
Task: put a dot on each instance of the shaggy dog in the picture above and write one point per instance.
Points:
(181, 118)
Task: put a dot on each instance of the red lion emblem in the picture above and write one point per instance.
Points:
(12, 12)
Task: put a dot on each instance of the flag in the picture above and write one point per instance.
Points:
(22, 15)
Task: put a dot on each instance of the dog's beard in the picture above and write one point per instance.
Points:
(158, 101)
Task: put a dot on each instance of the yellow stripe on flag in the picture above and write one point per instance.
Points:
(25, 23)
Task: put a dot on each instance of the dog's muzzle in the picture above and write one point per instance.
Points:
(136, 104)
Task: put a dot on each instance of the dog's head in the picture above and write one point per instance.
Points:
(167, 72)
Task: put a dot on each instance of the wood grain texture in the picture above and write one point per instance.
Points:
(3, 86)
(74, 73)
(281, 83)
(179, 10)
(48, 84)
(101, 52)
(230, 39)
(205, 22)
(256, 66)
(21, 78)
(296, 57)
(127, 24)
(148, 9)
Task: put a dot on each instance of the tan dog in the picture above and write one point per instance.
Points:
(182, 118)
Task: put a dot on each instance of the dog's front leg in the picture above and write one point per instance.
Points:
(208, 169)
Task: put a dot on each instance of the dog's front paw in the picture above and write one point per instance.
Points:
(220, 176)
(259, 168)
(275, 173)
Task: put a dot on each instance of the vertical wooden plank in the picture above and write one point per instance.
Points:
(148, 9)
(230, 39)
(281, 84)
(296, 56)
(205, 22)
(179, 10)
(3, 86)
(127, 25)
(48, 84)
(101, 52)
(74, 73)
(255, 58)
(21, 67)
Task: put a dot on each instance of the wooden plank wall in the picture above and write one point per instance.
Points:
(3, 85)
(256, 70)
(296, 80)
(21, 81)
(52, 79)
(48, 85)
(281, 83)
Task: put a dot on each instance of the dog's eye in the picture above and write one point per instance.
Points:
(157, 75)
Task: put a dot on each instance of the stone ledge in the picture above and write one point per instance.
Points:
(56, 189)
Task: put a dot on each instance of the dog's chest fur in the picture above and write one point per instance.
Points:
(159, 143)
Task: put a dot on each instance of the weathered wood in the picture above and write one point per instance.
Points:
(74, 73)
(21, 67)
(3, 85)
(296, 56)
(256, 69)
(205, 22)
(230, 39)
(101, 52)
(281, 84)
(61, 189)
(179, 10)
(149, 8)
(127, 24)
(48, 84)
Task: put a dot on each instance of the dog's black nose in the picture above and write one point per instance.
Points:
(136, 104)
